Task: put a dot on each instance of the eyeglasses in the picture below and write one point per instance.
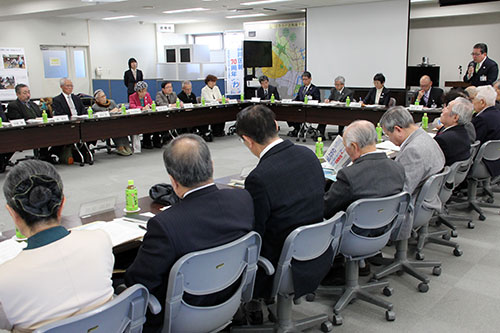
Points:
(475, 54)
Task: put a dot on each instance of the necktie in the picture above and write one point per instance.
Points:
(425, 98)
(265, 92)
(71, 105)
(478, 65)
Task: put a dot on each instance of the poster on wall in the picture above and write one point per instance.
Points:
(233, 43)
(13, 70)
(289, 52)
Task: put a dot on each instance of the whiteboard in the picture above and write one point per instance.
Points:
(357, 41)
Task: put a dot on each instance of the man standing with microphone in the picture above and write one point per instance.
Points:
(481, 71)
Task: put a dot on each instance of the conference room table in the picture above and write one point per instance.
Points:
(33, 136)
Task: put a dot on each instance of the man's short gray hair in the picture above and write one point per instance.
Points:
(495, 83)
(185, 83)
(488, 94)
(187, 159)
(341, 79)
(396, 116)
(463, 108)
(471, 91)
(63, 81)
(362, 132)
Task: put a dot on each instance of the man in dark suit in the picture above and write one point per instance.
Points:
(339, 93)
(481, 71)
(24, 108)
(372, 174)
(205, 217)
(187, 96)
(266, 90)
(4, 157)
(132, 76)
(307, 89)
(453, 137)
(487, 122)
(287, 191)
(428, 96)
(496, 85)
(67, 103)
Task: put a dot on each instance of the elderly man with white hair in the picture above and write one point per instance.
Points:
(496, 85)
(487, 122)
(372, 174)
(452, 137)
(67, 103)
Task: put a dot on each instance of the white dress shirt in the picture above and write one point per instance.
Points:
(377, 96)
(269, 146)
(71, 104)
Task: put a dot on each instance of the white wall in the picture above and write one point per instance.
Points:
(448, 41)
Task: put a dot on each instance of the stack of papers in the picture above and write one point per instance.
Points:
(387, 145)
(10, 249)
(119, 231)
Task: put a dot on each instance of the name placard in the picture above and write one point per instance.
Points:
(162, 108)
(17, 122)
(355, 105)
(414, 107)
(232, 101)
(255, 99)
(102, 114)
(313, 102)
(133, 111)
(188, 105)
(58, 119)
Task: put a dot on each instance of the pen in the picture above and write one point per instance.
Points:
(142, 227)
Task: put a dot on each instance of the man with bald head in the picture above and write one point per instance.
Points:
(372, 174)
(205, 217)
(429, 96)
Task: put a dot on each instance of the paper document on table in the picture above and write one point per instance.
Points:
(336, 154)
(118, 230)
(10, 249)
(388, 145)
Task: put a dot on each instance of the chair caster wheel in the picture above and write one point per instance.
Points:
(490, 200)
(446, 237)
(436, 271)
(423, 287)
(471, 225)
(387, 291)
(419, 256)
(454, 233)
(303, 140)
(482, 217)
(390, 315)
(457, 252)
(337, 320)
(91, 163)
(297, 140)
(326, 326)
(310, 297)
(82, 164)
(372, 279)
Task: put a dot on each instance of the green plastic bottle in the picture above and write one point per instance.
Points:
(131, 200)
(223, 99)
(242, 97)
(90, 112)
(272, 98)
(124, 109)
(425, 121)
(1, 124)
(19, 235)
(203, 101)
(306, 99)
(319, 147)
(177, 103)
(379, 132)
(153, 106)
(44, 117)
(417, 102)
(348, 101)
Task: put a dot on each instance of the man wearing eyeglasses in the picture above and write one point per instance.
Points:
(481, 71)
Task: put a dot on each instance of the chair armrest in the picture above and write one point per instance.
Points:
(266, 265)
(153, 304)
(121, 288)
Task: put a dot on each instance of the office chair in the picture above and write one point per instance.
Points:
(365, 214)
(418, 215)
(126, 313)
(305, 129)
(441, 237)
(206, 272)
(303, 244)
(392, 102)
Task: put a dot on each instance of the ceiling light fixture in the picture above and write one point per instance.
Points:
(246, 15)
(187, 10)
(118, 17)
(261, 2)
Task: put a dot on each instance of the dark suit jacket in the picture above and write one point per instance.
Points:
(18, 110)
(2, 113)
(435, 97)
(385, 97)
(335, 95)
(129, 81)
(313, 91)
(204, 219)
(487, 125)
(187, 99)
(488, 69)
(287, 191)
(455, 144)
(371, 176)
(61, 108)
(270, 90)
